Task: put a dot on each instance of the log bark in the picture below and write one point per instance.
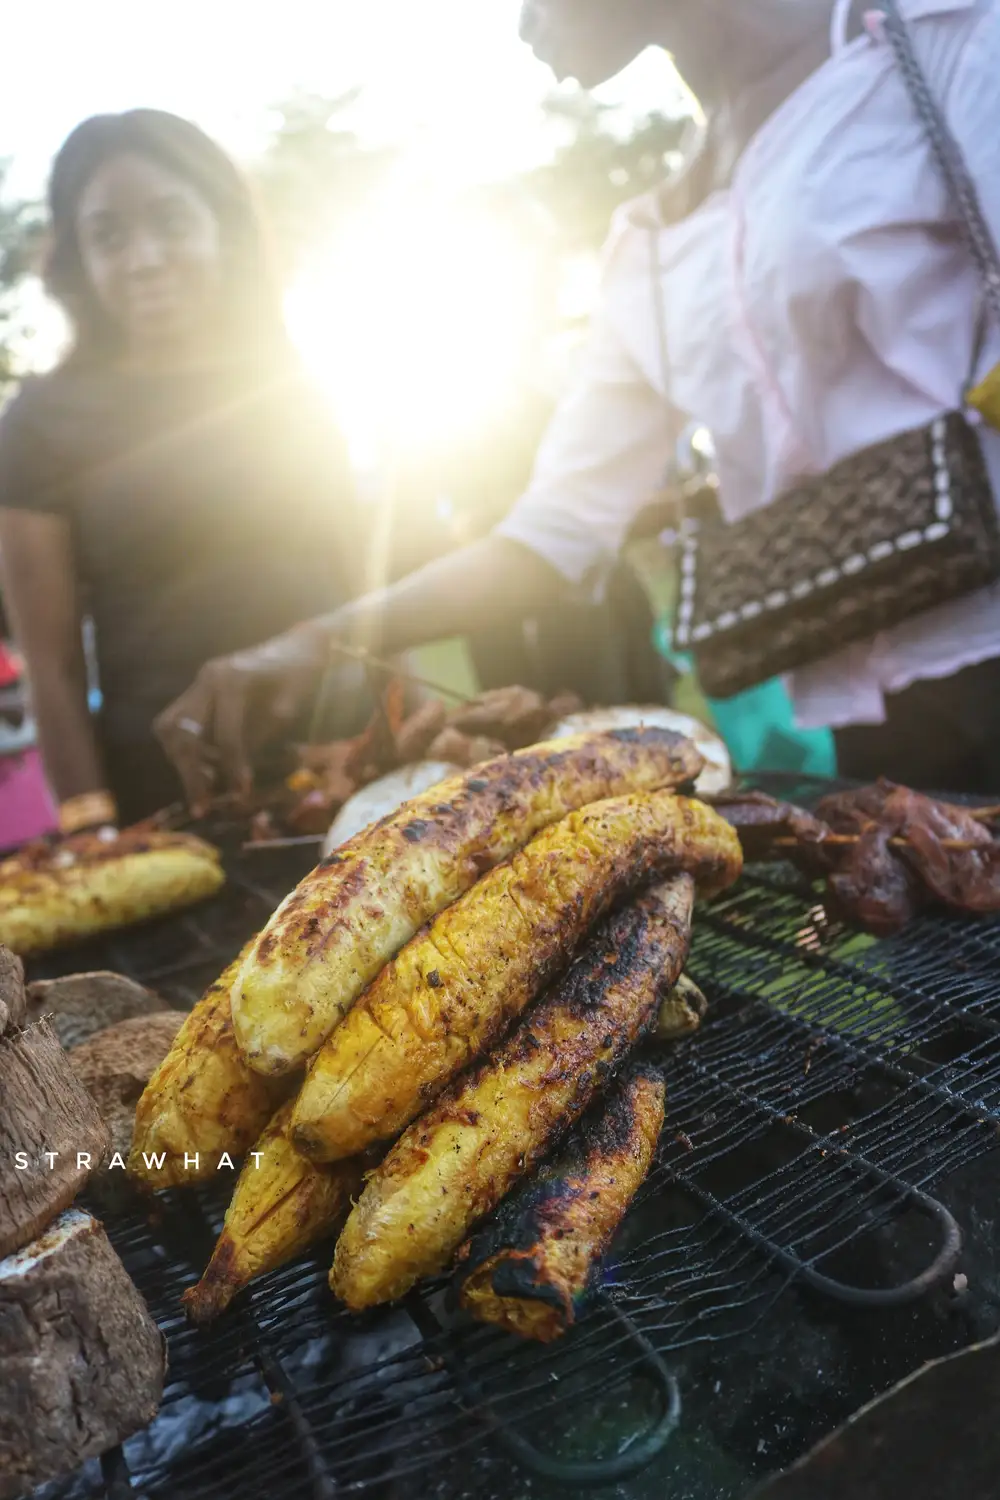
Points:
(115, 1065)
(43, 1109)
(81, 1360)
(80, 1005)
(12, 997)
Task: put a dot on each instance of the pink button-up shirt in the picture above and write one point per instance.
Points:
(822, 303)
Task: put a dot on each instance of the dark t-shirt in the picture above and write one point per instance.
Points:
(205, 518)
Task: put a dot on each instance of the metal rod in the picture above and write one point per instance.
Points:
(289, 843)
(365, 657)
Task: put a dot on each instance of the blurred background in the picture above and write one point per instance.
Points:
(437, 206)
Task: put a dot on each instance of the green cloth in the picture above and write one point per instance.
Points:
(758, 725)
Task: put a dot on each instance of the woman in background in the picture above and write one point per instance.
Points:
(175, 477)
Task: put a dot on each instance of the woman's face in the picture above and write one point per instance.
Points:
(589, 40)
(150, 246)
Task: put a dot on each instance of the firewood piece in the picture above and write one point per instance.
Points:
(80, 1005)
(420, 730)
(12, 997)
(115, 1065)
(81, 1360)
(46, 1114)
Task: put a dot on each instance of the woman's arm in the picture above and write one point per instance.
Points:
(603, 457)
(39, 585)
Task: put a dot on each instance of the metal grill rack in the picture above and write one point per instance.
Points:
(835, 1081)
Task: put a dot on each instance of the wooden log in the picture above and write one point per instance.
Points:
(115, 1065)
(51, 1134)
(81, 1360)
(12, 997)
(80, 1005)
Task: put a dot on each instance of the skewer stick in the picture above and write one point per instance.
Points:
(365, 657)
(289, 843)
(959, 845)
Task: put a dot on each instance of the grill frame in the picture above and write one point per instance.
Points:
(776, 1071)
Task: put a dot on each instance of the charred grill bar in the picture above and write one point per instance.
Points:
(814, 1131)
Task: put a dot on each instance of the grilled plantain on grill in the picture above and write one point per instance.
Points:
(202, 1100)
(453, 990)
(531, 1267)
(87, 884)
(332, 935)
(281, 1206)
(454, 1164)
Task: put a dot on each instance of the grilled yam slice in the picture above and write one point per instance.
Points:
(202, 1100)
(54, 894)
(532, 1266)
(283, 1204)
(452, 991)
(333, 934)
(454, 1164)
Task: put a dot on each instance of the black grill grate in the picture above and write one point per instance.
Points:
(834, 1080)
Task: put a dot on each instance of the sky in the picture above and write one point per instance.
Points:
(423, 65)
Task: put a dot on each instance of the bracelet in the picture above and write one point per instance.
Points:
(87, 811)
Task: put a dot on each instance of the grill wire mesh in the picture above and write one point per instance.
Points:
(832, 1075)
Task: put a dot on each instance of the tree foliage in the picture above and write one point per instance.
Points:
(20, 243)
(313, 173)
(597, 167)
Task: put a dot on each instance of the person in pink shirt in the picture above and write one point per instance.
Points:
(803, 289)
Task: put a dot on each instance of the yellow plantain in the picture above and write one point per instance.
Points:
(452, 991)
(457, 1161)
(89, 884)
(203, 1100)
(333, 934)
(282, 1204)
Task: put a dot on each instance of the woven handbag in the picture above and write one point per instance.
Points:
(888, 533)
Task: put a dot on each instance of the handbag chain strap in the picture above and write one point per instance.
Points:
(975, 230)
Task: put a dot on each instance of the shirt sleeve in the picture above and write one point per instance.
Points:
(603, 457)
(29, 476)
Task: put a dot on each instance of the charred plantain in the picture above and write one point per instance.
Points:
(531, 1267)
(202, 1100)
(282, 1205)
(333, 934)
(454, 990)
(454, 1164)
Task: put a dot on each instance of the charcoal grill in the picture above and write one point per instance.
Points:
(837, 1094)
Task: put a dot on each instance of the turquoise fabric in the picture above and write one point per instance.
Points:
(758, 726)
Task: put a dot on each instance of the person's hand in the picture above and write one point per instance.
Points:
(235, 704)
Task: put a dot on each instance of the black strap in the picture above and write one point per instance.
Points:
(975, 230)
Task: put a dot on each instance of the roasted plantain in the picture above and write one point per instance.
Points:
(454, 1164)
(532, 1265)
(282, 1204)
(453, 990)
(87, 884)
(202, 1100)
(333, 934)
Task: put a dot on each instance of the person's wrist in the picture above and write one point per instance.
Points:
(87, 810)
